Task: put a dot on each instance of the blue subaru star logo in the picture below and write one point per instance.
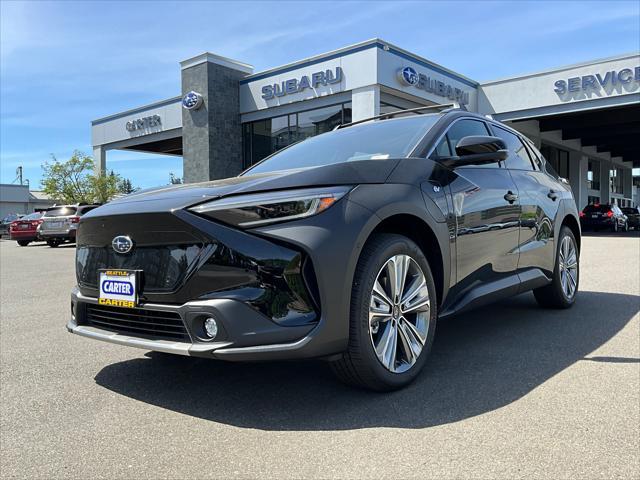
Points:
(192, 101)
(122, 244)
(409, 76)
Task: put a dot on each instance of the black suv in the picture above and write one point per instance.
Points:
(598, 216)
(347, 246)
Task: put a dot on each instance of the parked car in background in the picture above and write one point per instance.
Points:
(600, 216)
(25, 230)
(633, 216)
(6, 221)
(60, 223)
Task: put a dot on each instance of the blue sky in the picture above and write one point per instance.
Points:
(66, 63)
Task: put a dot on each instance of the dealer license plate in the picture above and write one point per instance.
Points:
(54, 224)
(118, 288)
(595, 215)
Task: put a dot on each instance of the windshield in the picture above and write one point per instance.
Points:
(60, 212)
(369, 141)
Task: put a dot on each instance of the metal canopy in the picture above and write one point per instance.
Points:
(615, 130)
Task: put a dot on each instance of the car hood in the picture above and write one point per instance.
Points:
(180, 196)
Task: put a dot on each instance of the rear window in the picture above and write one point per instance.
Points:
(61, 211)
(83, 210)
(33, 216)
(597, 208)
(630, 210)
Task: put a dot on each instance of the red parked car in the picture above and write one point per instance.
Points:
(25, 230)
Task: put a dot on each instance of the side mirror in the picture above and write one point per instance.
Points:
(478, 150)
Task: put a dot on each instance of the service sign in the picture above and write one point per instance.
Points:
(118, 288)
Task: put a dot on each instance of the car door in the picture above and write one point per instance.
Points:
(540, 195)
(485, 205)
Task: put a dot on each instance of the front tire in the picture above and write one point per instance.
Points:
(53, 243)
(392, 317)
(563, 290)
(23, 243)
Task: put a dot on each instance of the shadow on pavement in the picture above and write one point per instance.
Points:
(481, 361)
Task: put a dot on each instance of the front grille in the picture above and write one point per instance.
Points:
(163, 266)
(139, 322)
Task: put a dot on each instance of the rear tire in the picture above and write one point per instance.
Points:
(23, 243)
(391, 329)
(563, 290)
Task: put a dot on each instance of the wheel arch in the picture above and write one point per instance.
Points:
(426, 238)
(572, 223)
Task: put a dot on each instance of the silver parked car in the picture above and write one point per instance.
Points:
(61, 222)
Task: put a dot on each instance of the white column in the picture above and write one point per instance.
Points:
(365, 102)
(99, 160)
(627, 182)
(578, 167)
(605, 191)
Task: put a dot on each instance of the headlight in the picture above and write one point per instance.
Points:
(263, 208)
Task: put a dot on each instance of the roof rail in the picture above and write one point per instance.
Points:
(439, 107)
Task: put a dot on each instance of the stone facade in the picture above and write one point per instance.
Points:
(212, 135)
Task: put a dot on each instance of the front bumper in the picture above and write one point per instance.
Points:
(240, 327)
(250, 278)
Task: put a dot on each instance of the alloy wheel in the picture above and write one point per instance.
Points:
(568, 267)
(399, 313)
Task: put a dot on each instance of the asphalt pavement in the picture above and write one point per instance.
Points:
(510, 391)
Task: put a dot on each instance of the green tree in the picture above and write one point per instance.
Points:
(73, 181)
(68, 181)
(125, 186)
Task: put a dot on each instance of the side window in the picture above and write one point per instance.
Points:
(534, 154)
(442, 150)
(465, 128)
(518, 156)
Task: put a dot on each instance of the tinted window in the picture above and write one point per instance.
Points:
(596, 208)
(369, 141)
(466, 128)
(442, 150)
(60, 211)
(33, 216)
(10, 218)
(535, 155)
(630, 211)
(83, 210)
(518, 157)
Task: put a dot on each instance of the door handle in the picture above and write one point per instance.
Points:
(552, 195)
(510, 197)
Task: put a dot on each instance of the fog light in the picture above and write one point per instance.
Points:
(211, 327)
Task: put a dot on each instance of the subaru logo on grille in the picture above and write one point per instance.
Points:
(192, 100)
(122, 244)
(408, 76)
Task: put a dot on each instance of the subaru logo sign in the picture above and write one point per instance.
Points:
(408, 76)
(192, 101)
(122, 244)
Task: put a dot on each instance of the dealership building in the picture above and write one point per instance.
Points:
(585, 118)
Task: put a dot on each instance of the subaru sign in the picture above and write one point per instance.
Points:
(192, 101)
(408, 76)
(295, 85)
(122, 244)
